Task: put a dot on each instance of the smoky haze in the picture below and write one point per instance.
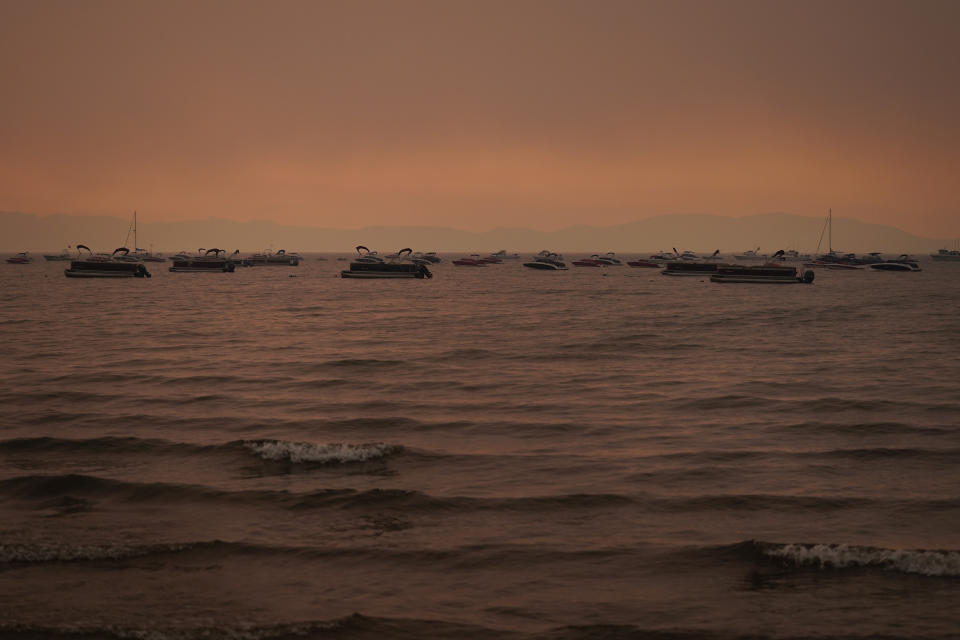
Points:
(481, 115)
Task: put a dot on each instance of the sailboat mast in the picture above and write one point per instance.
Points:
(135, 245)
(830, 227)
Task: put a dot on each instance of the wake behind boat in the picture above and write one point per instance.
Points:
(369, 265)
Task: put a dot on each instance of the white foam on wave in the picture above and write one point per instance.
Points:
(323, 453)
(928, 563)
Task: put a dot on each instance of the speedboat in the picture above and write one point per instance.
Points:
(903, 263)
(750, 255)
(21, 258)
(592, 261)
(399, 266)
(769, 273)
(473, 261)
(211, 261)
(503, 255)
(610, 260)
(63, 256)
(642, 262)
(547, 261)
(105, 265)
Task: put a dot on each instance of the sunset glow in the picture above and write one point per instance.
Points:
(479, 115)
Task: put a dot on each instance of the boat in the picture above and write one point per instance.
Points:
(23, 257)
(692, 267)
(946, 255)
(547, 261)
(643, 262)
(833, 259)
(663, 256)
(751, 255)
(903, 263)
(138, 254)
(685, 268)
(769, 273)
(592, 261)
(609, 259)
(104, 265)
(473, 261)
(503, 255)
(399, 266)
(63, 256)
(427, 258)
(267, 259)
(210, 261)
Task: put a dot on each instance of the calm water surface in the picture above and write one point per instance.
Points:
(494, 453)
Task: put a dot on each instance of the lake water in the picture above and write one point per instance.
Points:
(493, 453)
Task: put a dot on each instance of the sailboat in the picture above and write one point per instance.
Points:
(831, 259)
(140, 254)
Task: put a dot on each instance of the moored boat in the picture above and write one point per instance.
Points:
(399, 266)
(645, 263)
(547, 261)
(63, 256)
(592, 261)
(473, 261)
(23, 257)
(946, 255)
(685, 268)
(267, 259)
(103, 265)
(211, 261)
(761, 274)
(903, 263)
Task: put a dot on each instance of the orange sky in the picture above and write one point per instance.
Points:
(482, 114)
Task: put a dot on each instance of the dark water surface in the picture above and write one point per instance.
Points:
(494, 453)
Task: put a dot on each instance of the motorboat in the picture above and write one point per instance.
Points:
(503, 255)
(644, 263)
(609, 259)
(769, 273)
(23, 257)
(210, 261)
(946, 255)
(663, 256)
(428, 258)
(547, 261)
(592, 261)
(903, 263)
(751, 255)
(267, 259)
(63, 256)
(104, 265)
(473, 261)
(398, 266)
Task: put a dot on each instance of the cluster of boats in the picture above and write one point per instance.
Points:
(122, 262)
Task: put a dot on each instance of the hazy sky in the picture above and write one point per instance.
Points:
(482, 114)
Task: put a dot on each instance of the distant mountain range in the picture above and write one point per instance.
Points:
(698, 232)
